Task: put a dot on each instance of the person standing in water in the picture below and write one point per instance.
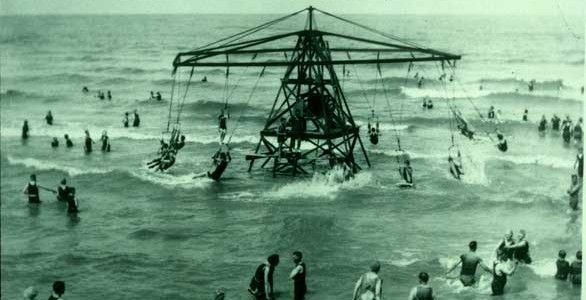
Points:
(68, 142)
(369, 285)
(62, 190)
(578, 133)
(505, 246)
(55, 143)
(125, 121)
(500, 270)
(88, 142)
(25, 130)
(562, 266)
(574, 192)
(109, 96)
(159, 97)
(502, 142)
(555, 123)
(406, 171)
(261, 284)
(469, 261)
(298, 275)
(49, 118)
(579, 164)
(576, 269)
(542, 124)
(152, 95)
(136, 120)
(31, 189)
(520, 249)
(526, 115)
(422, 291)
(105, 141)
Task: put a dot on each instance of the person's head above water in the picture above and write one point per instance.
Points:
(63, 181)
(66, 136)
(473, 245)
(33, 177)
(375, 266)
(500, 136)
(297, 256)
(273, 260)
(423, 277)
(579, 255)
(59, 288)
(509, 234)
(30, 293)
(183, 138)
(522, 234)
(562, 254)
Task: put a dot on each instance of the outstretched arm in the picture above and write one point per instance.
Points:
(356, 287)
(413, 293)
(297, 270)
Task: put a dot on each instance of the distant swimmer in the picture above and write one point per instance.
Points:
(578, 133)
(105, 142)
(542, 124)
(520, 248)
(420, 82)
(204, 79)
(500, 270)
(429, 104)
(562, 266)
(68, 142)
(490, 113)
(567, 131)
(55, 143)
(62, 190)
(32, 190)
(423, 291)
(85, 90)
(526, 115)
(582, 90)
(502, 143)
(49, 118)
(101, 95)
(373, 130)
(555, 122)
(152, 95)
(576, 269)
(574, 192)
(159, 97)
(223, 124)
(469, 261)
(424, 105)
(369, 285)
(579, 164)
(531, 85)
(125, 121)
(406, 171)
(261, 284)
(87, 147)
(109, 96)
(505, 245)
(25, 130)
(456, 166)
(480, 88)
(136, 120)
(298, 275)
(58, 290)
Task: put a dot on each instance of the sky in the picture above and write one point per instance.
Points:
(516, 7)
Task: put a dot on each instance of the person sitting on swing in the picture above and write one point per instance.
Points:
(373, 133)
(223, 126)
(456, 166)
(406, 171)
(220, 162)
(167, 160)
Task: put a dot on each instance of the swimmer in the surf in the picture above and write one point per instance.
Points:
(429, 104)
(369, 285)
(520, 248)
(574, 192)
(62, 190)
(49, 118)
(55, 143)
(579, 164)
(578, 133)
(469, 261)
(109, 95)
(159, 97)
(223, 124)
(72, 206)
(32, 190)
(406, 171)
(562, 266)
(152, 95)
(105, 142)
(68, 142)
(502, 142)
(125, 121)
(555, 123)
(505, 246)
(373, 132)
(85, 90)
(204, 79)
(542, 124)
(423, 291)
(88, 142)
(25, 130)
(456, 166)
(526, 115)
(136, 120)
(490, 114)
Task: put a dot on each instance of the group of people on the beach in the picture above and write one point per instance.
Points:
(63, 193)
(57, 291)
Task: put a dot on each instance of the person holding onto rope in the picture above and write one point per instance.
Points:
(31, 189)
(406, 170)
(502, 142)
(462, 125)
(456, 166)
(221, 160)
(372, 130)
(159, 96)
(223, 122)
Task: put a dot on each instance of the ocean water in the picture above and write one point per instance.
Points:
(145, 235)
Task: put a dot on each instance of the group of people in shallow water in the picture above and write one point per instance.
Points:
(569, 130)
(64, 193)
(99, 93)
(135, 120)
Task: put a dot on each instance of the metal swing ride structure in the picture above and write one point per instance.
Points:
(310, 95)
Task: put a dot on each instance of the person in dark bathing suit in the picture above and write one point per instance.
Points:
(62, 190)
(562, 266)
(68, 141)
(579, 164)
(32, 190)
(423, 291)
(125, 121)
(576, 269)
(542, 124)
(49, 118)
(502, 143)
(221, 160)
(136, 120)
(469, 261)
(55, 143)
(25, 130)
(406, 171)
(500, 270)
(261, 284)
(58, 290)
(520, 249)
(298, 275)
(88, 142)
(505, 246)
(574, 192)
